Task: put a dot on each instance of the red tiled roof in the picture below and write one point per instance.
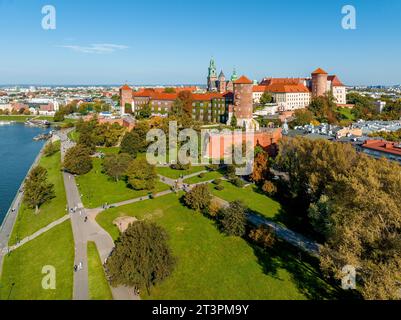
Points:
(206, 96)
(319, 71)
(287, 88)
(259, 88)
(335, 81)
(243, 80)
(383, 146)
(268, 81)
(126, 87)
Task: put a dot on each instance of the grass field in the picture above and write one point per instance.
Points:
(175, 174)
(27, 221)
(99, 288)
(346, 113)
(23, 267)
(212, 175)
(211, 265)
(256, 201)
(15, 118)
(97, 188)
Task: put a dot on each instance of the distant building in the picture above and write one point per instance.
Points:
(382, 149)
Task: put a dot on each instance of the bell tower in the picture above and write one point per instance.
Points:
(212, 76)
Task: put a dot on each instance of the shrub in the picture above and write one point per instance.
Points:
(214, 208)
(234, 219)
(217, 181)
(51, 149)
(198, 198)
(264, 236)
(201, 175)
(179, 166)
(238, 182)
(219, 187)
(269, 188)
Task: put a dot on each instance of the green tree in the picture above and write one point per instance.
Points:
(233, 122)
(141, 175)
(198, 198)
(59, 116)
(116, 165)
(77, 160)
(141, 257)
(266, 98)
(131, 143)
(51, 149)
(303, 117)
(37, 190)
(234, 219)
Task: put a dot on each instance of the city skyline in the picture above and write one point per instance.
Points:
(140, 44)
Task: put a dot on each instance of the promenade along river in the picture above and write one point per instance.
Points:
(17, 153)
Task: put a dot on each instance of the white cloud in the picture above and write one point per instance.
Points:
(97, 48)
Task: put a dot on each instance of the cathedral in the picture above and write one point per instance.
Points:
(218, 83)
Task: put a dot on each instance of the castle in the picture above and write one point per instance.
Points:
(218, 83)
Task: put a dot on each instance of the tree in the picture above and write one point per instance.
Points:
(51, 149)
(266, 98)
(145, 112)
(234, 219)
(198, 198)
(261, 169)
(303, 117)
(233, 122)
(269, 188)
(116, 165)
(141, 175)
(77, 160)
(59, 116)
(141, 257)
(142, 128)
(37, 190)
(131, 144)
(353, 203)
(264, 236)
(186, 98)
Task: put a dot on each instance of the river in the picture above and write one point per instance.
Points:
(17, 153)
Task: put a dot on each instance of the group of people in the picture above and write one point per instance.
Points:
(78, 267)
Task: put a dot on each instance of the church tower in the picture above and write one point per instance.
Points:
(222, 85)
(212, 76)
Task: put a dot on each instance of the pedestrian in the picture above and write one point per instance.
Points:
(75, 268)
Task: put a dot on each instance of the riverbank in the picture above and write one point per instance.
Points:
(10, 218)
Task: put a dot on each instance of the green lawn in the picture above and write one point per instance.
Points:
(175, 174)
(211, 265)
(256, 201)
(27, 221)
(15, 118)
(23, 267)
(212, 175)
(346, 113)
(73, 135)
(97, 188)
(99, 288)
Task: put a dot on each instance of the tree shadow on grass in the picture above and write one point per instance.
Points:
(305, 273)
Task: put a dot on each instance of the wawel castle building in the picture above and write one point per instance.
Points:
(225, 100)
(297, 93)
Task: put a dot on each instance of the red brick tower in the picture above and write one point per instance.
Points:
(125, 97)
(243, 103)
(319, 83)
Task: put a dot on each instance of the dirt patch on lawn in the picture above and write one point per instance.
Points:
(122, 223)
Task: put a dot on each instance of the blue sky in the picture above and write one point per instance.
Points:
(151, 42)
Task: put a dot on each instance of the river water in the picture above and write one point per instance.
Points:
(17, 153)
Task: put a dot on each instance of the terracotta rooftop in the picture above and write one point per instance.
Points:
(319, 71)
(126, 87)
(243, 80)
(335, 81)
(383, 146)
(287, 88)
